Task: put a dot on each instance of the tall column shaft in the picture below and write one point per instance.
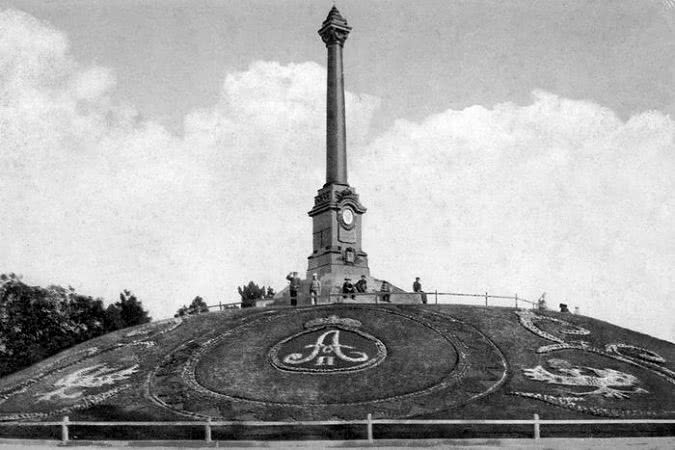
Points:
(334, 32)
(336, 133)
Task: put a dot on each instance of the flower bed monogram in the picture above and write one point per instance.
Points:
(328, 345)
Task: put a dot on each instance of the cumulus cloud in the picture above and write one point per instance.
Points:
(558, 195)
(95, 196)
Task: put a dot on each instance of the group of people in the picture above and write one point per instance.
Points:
(349, 289)
(361, 287)
(294, 286)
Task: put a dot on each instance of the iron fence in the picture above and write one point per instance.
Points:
(368, 422)
(379, 297)
(424, 297)
(223, 306)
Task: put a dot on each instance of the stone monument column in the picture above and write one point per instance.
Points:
(337, 212)
(334, 32)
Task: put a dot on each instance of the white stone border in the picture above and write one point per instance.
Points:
(527, 319)
(645, 354)
(571, 403)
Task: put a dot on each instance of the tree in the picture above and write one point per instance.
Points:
(113, 318)
(197, 306)
(270, 292)
(130, 311)
(37, 322)
(182, 311)
(249, 294)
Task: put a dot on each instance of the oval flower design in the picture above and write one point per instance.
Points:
(328, 345)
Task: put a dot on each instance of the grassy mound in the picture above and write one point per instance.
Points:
(344, 361)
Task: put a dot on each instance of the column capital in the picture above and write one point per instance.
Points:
(334, 29)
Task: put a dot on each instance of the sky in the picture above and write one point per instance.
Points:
(173, 148)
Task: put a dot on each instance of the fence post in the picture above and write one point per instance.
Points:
(64, 430)
(220, 305)
(436, 294)
(537, 435)
(486, 298)
(516, 300)
(370, 427)
(207, 430)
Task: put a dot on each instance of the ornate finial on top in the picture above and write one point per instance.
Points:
(334, 29)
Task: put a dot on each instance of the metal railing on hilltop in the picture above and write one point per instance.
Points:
(424, 297)
(225, 306)
(378, 297)
(369, 422)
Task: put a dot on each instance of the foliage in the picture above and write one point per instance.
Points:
(250, 293)
(37, 322)
(131, 310)
(197, 306)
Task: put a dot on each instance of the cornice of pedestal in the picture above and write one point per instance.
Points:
(334, 196)
(334, 29)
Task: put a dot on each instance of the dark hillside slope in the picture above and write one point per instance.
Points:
(347, 360)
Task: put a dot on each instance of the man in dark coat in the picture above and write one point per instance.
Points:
(348, 288)
(294, 285)
(362, 284)
(417, 287)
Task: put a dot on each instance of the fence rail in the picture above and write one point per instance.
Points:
(377, 297)
(222, 306)
(424, 296)
(369, 422)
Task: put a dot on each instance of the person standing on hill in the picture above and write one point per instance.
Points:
(294, 285)
(314, 289)
(417, 287)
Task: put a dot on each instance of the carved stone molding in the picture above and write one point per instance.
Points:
(334, 29)
(332, 36)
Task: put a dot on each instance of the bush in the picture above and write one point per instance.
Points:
(197, 306)
(250, 293)
(37, 322)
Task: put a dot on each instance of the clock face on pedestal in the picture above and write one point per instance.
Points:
(347, 216)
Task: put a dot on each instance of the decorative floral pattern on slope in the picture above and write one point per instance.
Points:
(591, 390)
(631, 354)
(323, 363)
(529, 320)
(76, 384)
(81, 377)
(610, 384)
(604, 381)
(320, 349)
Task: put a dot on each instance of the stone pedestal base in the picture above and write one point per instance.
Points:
(331, 290)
